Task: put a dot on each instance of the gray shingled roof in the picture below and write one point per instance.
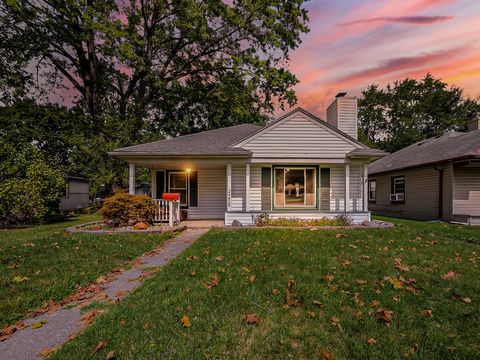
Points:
(451, 146)
(212, 142)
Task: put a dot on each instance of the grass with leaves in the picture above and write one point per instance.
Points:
(44, 262)
(408, 292)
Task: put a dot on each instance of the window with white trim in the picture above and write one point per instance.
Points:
(178, 183)
(372, 190)
(294, 187)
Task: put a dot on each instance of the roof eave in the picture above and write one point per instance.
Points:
(124, 154)
(463, 157)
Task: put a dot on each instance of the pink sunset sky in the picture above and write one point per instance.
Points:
(354, 43)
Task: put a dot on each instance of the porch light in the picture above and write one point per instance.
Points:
(188, 170)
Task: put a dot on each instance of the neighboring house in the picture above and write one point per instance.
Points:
(296, 166)
(438, 178)
(76, 193)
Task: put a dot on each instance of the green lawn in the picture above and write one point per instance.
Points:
(44, 262)
(337, 285)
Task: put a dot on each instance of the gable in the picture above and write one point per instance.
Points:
(298, 136)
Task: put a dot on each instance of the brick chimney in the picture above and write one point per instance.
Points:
(475, 123)
(342, 114)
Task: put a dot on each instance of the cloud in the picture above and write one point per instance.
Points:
(403, 63)
(415, 20)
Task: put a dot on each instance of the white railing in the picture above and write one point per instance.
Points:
(167, 211)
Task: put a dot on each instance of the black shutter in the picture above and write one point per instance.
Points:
(266, 188)
(193, 188)
(325, 189)
(160, 183)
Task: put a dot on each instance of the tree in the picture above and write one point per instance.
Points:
(412, 110)
(135, 58)
(30, 189)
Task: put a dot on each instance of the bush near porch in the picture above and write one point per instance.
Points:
(407, 292)
(124, 209)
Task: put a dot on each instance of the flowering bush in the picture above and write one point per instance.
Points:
(123, 209)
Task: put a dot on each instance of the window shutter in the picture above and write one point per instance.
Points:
(193, 188)
(160, 183)
(266, 188)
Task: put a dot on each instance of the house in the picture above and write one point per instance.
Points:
(438, 178)
(298, 166)
(76, 193)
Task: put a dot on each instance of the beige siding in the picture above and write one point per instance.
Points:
(337, 188)
(466, 191)
(466, 179)
(299, 137)
(356, 187)
(447, 192)
(347, 116)
(255, 188)
(212, 189)
(238, 187)
(421, 194)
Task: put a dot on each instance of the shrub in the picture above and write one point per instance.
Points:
(29, 188)
(264, 220)
(123, 209)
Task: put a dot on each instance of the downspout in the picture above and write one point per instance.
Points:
(440, 191)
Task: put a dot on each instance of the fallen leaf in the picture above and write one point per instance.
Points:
(361, 282)
(146, 326)
(467, 300)
(275, 292)
(365, 257)
(19, 279)
(317, 303)
(110, 355)
(413, 289)
(38, 324)
(340, 236)
(101, 345)
(384, 315)
(372, 341)
(374, 303)
(46, 352)
(356, 297)
(397, 263)
(397, 284)
(328, 278)
(219, 258)
(449, 275)
(215, 281)
(252, 319)
(427, 313)
(7, 332)
(326, 355)
(311, 314)
(414, 348)
(186, 321)
(344, 262)
(191, 257)
(334, 321)
(253, 278)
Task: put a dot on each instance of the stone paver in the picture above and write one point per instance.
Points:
(27, 343)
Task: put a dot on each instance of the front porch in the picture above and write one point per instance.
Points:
(237, 189)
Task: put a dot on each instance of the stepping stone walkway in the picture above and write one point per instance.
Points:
(28, 343)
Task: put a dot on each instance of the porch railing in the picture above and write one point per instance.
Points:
(167, 211)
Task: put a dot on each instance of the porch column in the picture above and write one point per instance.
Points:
(247, 187)
(365, 187)
(131, 179)
(229, 186)
(347, 187)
